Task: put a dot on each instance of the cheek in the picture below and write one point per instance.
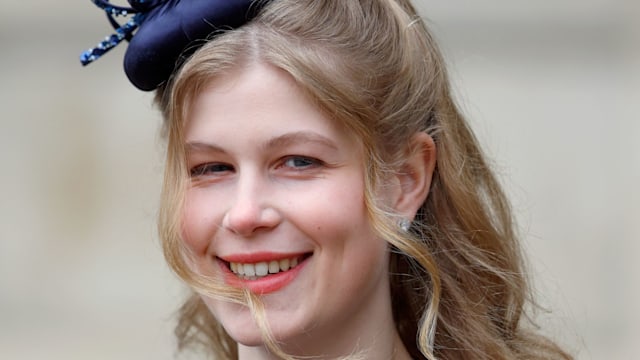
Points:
(339, 212)
(197, 222)
(353, 260)
(349, 229)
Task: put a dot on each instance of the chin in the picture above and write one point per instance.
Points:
(247, 337)
(237, 321)
(240, 325)
(250, 334)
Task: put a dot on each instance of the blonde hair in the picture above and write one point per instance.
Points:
(457, 278)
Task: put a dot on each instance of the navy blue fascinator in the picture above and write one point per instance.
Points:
(164, 29)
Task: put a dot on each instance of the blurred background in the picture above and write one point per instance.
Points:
(551, 87)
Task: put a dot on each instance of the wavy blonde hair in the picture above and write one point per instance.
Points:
(458, 284)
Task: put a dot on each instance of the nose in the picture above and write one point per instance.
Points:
(252, 210)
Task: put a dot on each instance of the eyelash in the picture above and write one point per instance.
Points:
(211, 168)
(309, 162)
(201, 170)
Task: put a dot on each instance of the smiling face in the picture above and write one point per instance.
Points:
(276, 204)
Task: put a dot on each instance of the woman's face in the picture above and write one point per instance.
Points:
(276, 205)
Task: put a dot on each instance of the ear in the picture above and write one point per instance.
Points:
(413, 179)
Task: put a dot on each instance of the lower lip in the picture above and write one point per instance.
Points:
(264, 285)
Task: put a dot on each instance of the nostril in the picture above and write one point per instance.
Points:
(246, 218)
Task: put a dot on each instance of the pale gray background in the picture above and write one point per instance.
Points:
(551, 87)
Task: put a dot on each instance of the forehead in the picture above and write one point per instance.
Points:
(255, 100)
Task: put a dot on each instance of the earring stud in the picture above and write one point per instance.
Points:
(404, 224)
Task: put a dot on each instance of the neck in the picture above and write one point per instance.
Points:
(380, 350)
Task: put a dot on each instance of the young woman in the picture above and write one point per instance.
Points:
(323, 196)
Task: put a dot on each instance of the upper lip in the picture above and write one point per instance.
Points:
(256, 257)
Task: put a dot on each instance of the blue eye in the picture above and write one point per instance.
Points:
(210, 169)
(300, 162)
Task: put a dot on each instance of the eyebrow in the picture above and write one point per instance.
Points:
(299, 137)
(198, 146)
(284, 140)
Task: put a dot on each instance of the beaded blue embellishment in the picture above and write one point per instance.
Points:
(123, 32)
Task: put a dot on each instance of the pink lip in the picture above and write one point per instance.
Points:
(259, 257)
(264, 285)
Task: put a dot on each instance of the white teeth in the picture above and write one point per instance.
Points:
(249, 270)
(274, 267)
(284, 264)
(261, 269)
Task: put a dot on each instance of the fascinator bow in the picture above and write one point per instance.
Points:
(164, 29)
